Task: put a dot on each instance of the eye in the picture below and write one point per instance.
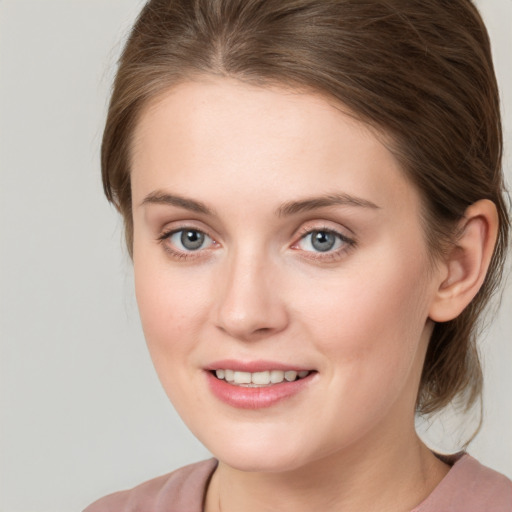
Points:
(322, 240)
(188, 240)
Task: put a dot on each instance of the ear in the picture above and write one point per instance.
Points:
(465, 267)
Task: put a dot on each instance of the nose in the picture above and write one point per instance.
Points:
(249, 302)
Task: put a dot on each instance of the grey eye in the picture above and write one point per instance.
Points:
(321, 241)
(190, 239)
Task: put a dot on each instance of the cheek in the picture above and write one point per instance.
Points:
(371, 323)
(382, 305)
(171, 306)
(172, 316)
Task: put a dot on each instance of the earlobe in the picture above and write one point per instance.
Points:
(467, 263)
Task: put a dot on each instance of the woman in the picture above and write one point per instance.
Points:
(313, 200)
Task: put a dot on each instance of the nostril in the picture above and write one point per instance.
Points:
(262, 330)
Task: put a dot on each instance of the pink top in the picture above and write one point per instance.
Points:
(468, 487)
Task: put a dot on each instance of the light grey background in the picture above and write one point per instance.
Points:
(81, 411)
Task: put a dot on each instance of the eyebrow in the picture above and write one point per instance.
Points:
(179, 201)
(313, 203)
(286, 209)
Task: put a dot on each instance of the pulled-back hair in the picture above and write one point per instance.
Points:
(418, 71)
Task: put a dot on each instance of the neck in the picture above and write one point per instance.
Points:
(385, 476)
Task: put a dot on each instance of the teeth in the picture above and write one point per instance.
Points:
(242, 378)
(290, 376)
(261, 378)
(264, 378)
(276, 376)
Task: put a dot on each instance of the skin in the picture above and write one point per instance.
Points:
(359, 315)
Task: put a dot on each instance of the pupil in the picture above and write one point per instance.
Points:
(323, 240)
(192, 240)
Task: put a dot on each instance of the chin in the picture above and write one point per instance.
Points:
(258, 454)
(260, 462)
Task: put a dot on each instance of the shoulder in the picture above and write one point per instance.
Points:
(181, 490)
(470, 487)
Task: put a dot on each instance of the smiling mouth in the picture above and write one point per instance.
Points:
(259, 379)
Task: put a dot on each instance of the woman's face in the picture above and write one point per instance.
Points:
(276, 238)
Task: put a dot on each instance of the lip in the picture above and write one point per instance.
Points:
(253, 366)
(242, 397)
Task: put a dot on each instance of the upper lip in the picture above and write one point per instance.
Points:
(253, 366)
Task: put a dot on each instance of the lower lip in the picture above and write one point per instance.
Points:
(255, 398)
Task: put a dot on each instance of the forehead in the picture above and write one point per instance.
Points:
(196, 110)
(220, 130)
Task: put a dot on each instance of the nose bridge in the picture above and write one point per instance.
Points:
(249, 303)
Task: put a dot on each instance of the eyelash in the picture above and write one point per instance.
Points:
(331, 255)
(178, 254)
(327, 256)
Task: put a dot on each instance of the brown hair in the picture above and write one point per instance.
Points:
(420, 71)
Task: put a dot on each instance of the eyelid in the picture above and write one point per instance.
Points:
(348, 243)
(344, 238)
(168, 228)
(164, 239)
(343, 232)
